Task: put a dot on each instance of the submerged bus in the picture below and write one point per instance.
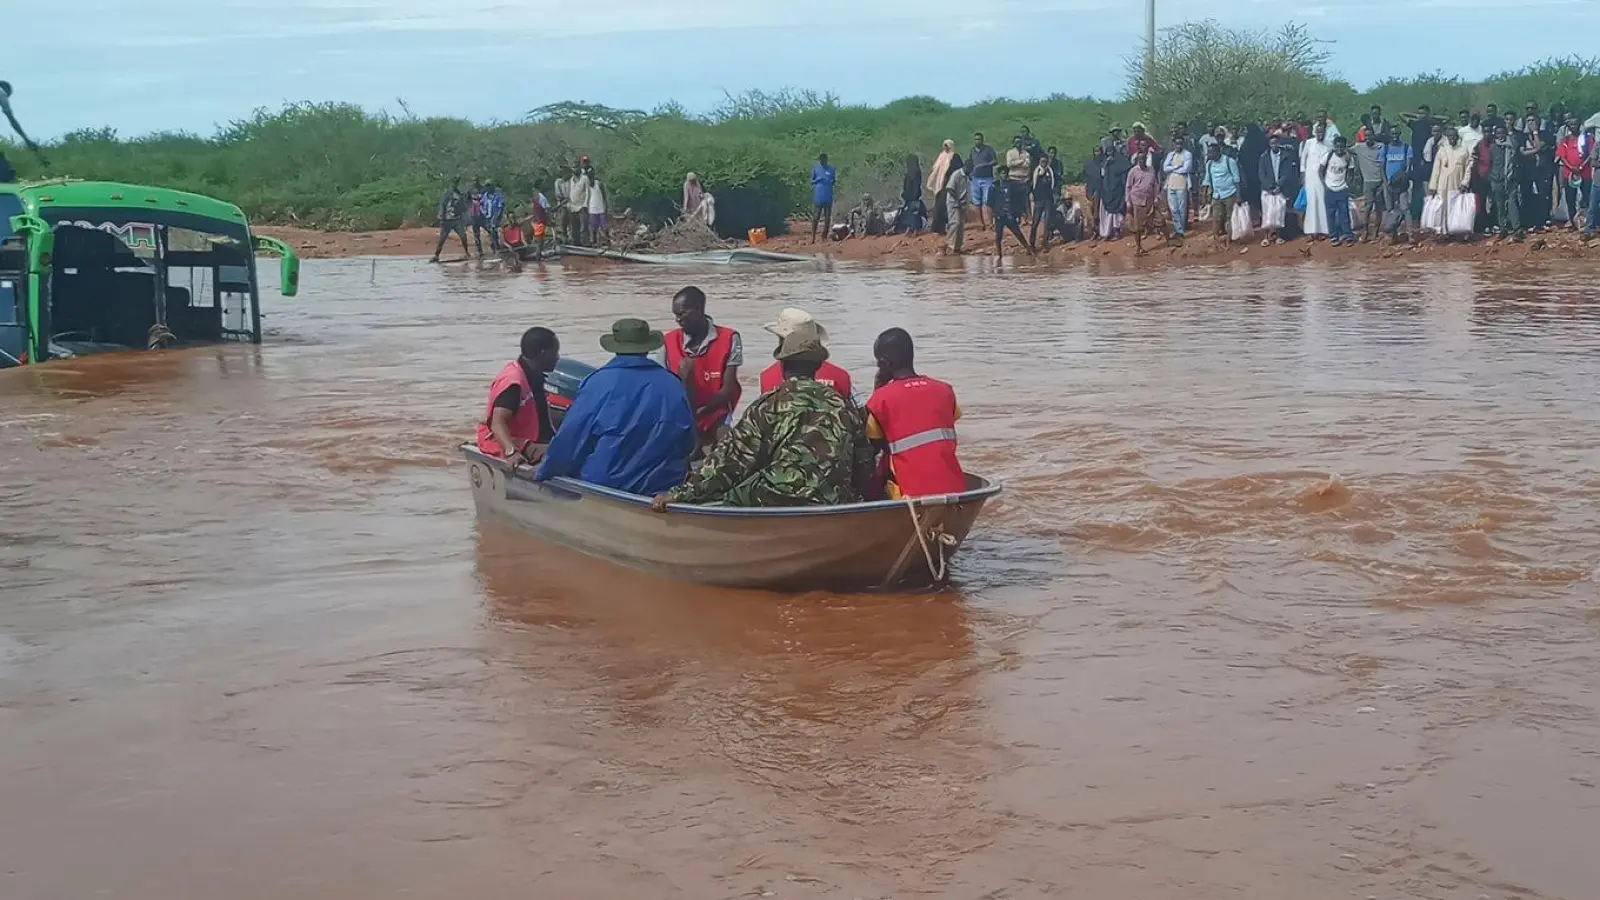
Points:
(95, 266)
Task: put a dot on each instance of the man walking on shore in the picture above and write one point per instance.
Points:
(823, 177)
(452, 219)
(1006, 202)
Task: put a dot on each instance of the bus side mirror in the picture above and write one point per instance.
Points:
(288, 263)
(41, 241)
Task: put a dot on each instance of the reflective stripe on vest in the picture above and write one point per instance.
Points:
(922, 439)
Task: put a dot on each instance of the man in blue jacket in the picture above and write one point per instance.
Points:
(630, 427)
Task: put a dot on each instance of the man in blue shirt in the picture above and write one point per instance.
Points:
(630, 427)
(491, 212)
(822, 178)
(1222, 185)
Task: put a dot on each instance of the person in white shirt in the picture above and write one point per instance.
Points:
(577, 204)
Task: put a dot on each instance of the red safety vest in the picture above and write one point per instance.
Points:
(524, 422)
(830, 375)
(918, 420)
(710, 368)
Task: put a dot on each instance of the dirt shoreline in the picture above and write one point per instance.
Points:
(1198, 249)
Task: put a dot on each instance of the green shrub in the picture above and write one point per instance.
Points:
(337, 166)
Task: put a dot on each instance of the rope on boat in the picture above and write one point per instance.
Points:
(942, 543)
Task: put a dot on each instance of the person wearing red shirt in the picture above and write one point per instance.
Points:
(706, 357)
(915, 417)
(829, 374)
(1575, 170)
(516, 425)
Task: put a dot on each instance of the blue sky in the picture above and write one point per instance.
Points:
(148, 65)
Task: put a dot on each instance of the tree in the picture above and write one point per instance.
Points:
(1223, 75)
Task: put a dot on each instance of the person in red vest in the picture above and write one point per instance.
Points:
(706, 357)
(516, 426)
(829, 374)
(915, 416)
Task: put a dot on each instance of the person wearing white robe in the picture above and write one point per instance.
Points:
(1313, 153)
(1452, 171)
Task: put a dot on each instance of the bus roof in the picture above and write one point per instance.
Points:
(39, 197)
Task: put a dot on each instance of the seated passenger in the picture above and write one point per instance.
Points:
(916, 417)
(799, 445)
(630, 427)
(829, 374)
(518, 417)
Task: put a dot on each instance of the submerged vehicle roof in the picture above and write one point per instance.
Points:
(40, 197)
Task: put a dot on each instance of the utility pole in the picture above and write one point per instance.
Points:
(1149, 41)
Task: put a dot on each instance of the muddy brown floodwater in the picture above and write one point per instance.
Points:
(1293, 594)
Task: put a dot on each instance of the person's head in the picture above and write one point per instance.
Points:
(631, 337)
(1322, 115)
(1321, 129)
(689, 308)
(1375, 114)
(1115, 132)
(948, 146)
(1026, 133)
(802, 351)
(1138, 129)
(540, 349)
(1438, 130)
(1142, 159)
(1492, 111)
(1394, 135)
(1339, 144)
(1476, 119)
(1572, 124)
(894, 352)
(822, 158)
(1373, 137)
(1500, 131)
(1533, 122)
(1274, 142)
(1425, 110)
(1510, 120)
(1531, 110)
(1017, 142)
(977, 139)
(692, 178)
(1366, 121)
(1453, 136)
(1053, 153)
(1464, 117)
(1213, 151)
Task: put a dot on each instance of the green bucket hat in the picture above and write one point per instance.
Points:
(631, 337)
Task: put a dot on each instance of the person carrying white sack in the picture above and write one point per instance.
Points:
(1280, 183)
(1450, 182)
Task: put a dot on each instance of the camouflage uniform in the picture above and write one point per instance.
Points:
(800, 445)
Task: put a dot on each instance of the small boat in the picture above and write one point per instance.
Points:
(878, 544)
(736, 256)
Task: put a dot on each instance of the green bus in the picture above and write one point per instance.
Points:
(95, 266)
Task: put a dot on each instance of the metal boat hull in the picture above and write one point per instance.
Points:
(859, 546)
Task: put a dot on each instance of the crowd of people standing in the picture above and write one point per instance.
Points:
(1486, 173)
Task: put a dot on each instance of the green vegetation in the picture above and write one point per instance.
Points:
(337, 166)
